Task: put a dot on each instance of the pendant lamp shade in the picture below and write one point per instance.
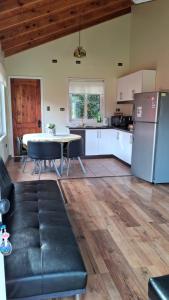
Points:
(79, 52)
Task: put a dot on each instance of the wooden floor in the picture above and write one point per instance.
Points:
(94, 168)
(122, 227)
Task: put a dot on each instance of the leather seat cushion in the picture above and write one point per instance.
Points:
(45, 257)
(158, 288)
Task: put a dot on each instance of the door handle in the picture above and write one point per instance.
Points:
(39, 123)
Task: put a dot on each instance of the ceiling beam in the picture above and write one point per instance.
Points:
(65, 31)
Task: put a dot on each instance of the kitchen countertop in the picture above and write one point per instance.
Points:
(100, 127)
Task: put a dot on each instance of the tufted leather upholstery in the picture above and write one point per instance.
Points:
(158, 288)
(45, 258)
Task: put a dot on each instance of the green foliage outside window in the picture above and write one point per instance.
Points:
(82, 105)
(77, 106)
(93, 106)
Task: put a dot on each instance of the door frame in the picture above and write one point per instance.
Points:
(9, 96)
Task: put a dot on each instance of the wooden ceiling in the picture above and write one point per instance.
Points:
(28, 23)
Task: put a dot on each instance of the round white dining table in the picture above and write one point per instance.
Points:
(45, 137)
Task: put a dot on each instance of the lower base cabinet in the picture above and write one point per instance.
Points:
(122, 145)
(98, 142)
(109, 142)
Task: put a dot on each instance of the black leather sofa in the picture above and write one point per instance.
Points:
(45, 262)
(158, 288)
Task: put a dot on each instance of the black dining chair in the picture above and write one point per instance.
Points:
(74, 150)
(21, 151)
(41, 152)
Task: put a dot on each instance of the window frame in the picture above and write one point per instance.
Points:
(4, 129)
(102, 101)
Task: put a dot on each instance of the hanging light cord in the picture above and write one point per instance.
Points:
(79, 38)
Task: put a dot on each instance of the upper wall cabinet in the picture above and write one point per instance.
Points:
(141, 81)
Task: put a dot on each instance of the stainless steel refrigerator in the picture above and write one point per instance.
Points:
(150, 153)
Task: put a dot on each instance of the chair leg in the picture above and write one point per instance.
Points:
(81, 164)
(40, 168)
(24, 166)
(56, 169)
(34, 167)
(77, 297)
(68, 167)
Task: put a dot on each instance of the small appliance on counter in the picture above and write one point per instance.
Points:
(121, 121)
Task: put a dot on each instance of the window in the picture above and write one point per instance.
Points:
(2, 110)
(86, 99)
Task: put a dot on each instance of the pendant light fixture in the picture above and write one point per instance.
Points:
(79, 52)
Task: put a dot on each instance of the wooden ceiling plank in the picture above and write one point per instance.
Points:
(42, 8)
(47, 19)
(65, 19)
(74, 28)
(14, 5)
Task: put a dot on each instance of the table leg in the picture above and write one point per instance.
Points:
(61, 160)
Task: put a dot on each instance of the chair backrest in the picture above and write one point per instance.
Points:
(6, 184)
(44, 150)
(75, 148)
(20, 149)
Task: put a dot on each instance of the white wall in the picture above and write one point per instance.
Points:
(106, 45)
(149, 39)
(4, 140)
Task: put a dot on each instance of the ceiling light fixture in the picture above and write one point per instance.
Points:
(79, 52)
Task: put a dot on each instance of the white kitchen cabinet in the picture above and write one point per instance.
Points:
(141, 81)
(109, 142)
(105, 141)
(125, 141)
(98, 142)
(91, 142)
(122, 145)
(115, 142)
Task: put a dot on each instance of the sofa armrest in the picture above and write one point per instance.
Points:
(158, 288)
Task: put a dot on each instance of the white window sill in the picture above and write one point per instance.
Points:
(2, 138)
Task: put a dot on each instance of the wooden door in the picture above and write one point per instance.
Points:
(26, 107)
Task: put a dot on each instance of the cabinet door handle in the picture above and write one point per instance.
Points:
(121, 95)
(133, 92)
